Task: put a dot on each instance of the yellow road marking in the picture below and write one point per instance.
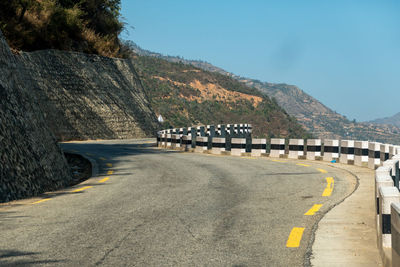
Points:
(323, 171)
(275, 160)
(110, 172)
(313, 210)
(42, 200)
(329, 187)
(103, 158)
(295, 237)
(301, 164)
(109, 164)
(248, 158)
(89, 154)
(82, 188)
(104, 179)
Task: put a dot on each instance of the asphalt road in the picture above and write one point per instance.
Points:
(167, 208)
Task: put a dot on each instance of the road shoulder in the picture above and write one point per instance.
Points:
(346, 235)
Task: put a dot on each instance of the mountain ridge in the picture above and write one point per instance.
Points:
(314, 116)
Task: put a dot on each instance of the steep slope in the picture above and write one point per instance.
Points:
(88, 96)
(393, 120)
(30, 160)
(318, 119)
(185, 95)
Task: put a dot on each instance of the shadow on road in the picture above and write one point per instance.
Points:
(23, 258)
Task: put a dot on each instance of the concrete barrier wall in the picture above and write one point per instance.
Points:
(313, 149)
(374, 155)
(258, 147)
(331, 150)
(347, 152)
(296, 148)
(218, 145)
(361, 153)
(277, 147)
(238, 146)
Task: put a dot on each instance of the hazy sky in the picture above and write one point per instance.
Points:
(344, 53)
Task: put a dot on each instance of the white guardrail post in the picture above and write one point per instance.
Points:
(331, 150)
(313, 149)
(296, 148)
(277, 147)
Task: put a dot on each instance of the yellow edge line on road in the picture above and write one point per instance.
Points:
(314, 209)
(110, 172)
(82, 188)
(329, 187)
(322, 170)
(109, 164)
(295, 237)
(104, 179)
(42, 200)
(301, 164)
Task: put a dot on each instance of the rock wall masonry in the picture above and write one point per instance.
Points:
(88, 96)
(31, 162)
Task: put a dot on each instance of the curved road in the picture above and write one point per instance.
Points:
(152, 207)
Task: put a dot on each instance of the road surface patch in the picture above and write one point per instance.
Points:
(295, 237)
(314, 209)
(329, 187)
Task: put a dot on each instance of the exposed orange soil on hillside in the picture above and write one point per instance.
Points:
(211, 91)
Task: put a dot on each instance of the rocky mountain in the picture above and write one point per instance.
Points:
(314, 116)
(393, 120)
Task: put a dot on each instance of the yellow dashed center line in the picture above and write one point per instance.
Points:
(104, 179)
(109, 164)
(275, 160)
(322, 170)
(103, 158)
(295, 237)
(82, 188)
(304, 165)
(313, 210)
(248, 158)
(42, 200)
(110, 172)
(329, 187)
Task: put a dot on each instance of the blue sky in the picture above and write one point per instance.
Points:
(344, 53)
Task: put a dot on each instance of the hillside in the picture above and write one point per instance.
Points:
(393, 120)
(315, 117)
(89, 26)
(185, 95)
